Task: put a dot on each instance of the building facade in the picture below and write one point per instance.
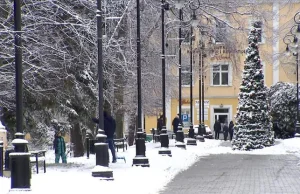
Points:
(223, 68)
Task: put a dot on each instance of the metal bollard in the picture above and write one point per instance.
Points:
(191, 132)
(164, 142)
(87, 139)
(164, 139)
(180, 138)
(179, 134)
(140, 159)
(101, 148)
(20, 164)
(102, 158)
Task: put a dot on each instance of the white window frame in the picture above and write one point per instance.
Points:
(263, 40)
(229, 74)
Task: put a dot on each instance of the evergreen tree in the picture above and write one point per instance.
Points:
(253, 122)
(283, 109)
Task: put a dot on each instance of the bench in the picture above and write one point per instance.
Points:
(36, 157)
(120, 143)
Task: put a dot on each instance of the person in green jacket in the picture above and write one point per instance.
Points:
(59, 146)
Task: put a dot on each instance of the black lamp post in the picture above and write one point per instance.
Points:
(191, 140)
(164, 136)
(140, 159)
(101, 169)
(20, 163)
(292, 43)
(179, 66)
(200, 130)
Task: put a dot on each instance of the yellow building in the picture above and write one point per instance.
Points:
(223, 70)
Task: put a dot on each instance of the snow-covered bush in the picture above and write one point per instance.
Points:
(283, 105)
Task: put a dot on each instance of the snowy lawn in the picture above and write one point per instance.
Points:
(75, 177)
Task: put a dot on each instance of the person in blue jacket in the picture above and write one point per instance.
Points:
(59, 146)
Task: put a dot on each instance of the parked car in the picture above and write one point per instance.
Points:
(208, 133)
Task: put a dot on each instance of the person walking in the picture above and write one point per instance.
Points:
(231, 128)
(59, 146)
(109, 129)
(217, 129)
(160, 123)
(175, 123)
(225, 131)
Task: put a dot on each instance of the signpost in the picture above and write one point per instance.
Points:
(185, 118)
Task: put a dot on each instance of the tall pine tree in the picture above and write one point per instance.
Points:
(253, 122)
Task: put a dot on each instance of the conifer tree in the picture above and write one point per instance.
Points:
(253, 122)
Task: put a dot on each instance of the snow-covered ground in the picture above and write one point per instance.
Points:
(75, 177)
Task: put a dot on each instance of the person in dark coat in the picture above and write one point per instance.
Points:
(109, 129)
(175, 123)
(231, 128)
(217, 128)
(225, 131)
(59, 146)
(160, 123)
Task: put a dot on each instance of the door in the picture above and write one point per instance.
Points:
(223, 116)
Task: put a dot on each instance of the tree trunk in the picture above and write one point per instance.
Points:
(76, 139)
(132, 129)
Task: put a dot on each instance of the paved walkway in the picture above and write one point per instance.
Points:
(239, 174)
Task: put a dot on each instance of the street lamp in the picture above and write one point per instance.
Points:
(191, 140)
(140, 158)
(20, 163)
(164, 139)
(291, 42)
(179, 61)
(101, 169)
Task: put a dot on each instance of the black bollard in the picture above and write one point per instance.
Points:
(140, 159)
(20, 164)
(191, 140)
(101, 169)
(180, 138)
(200, 133)
(87, 139)
(1, 158)
(164, 142)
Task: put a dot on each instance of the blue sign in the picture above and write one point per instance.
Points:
(185, 118)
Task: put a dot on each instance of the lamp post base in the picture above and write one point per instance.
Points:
(180, 145)
(200, 138)
(165, 152)
(19, 191)
(191, 141)
(298, 127)
(140, 161)
(104, 173)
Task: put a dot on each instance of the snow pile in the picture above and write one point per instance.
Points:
(76, 176)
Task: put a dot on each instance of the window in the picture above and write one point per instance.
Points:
(220, 75)
(220, 32)
(259, 26)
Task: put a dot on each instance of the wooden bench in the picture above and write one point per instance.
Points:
(120, 143)
(36, 157)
